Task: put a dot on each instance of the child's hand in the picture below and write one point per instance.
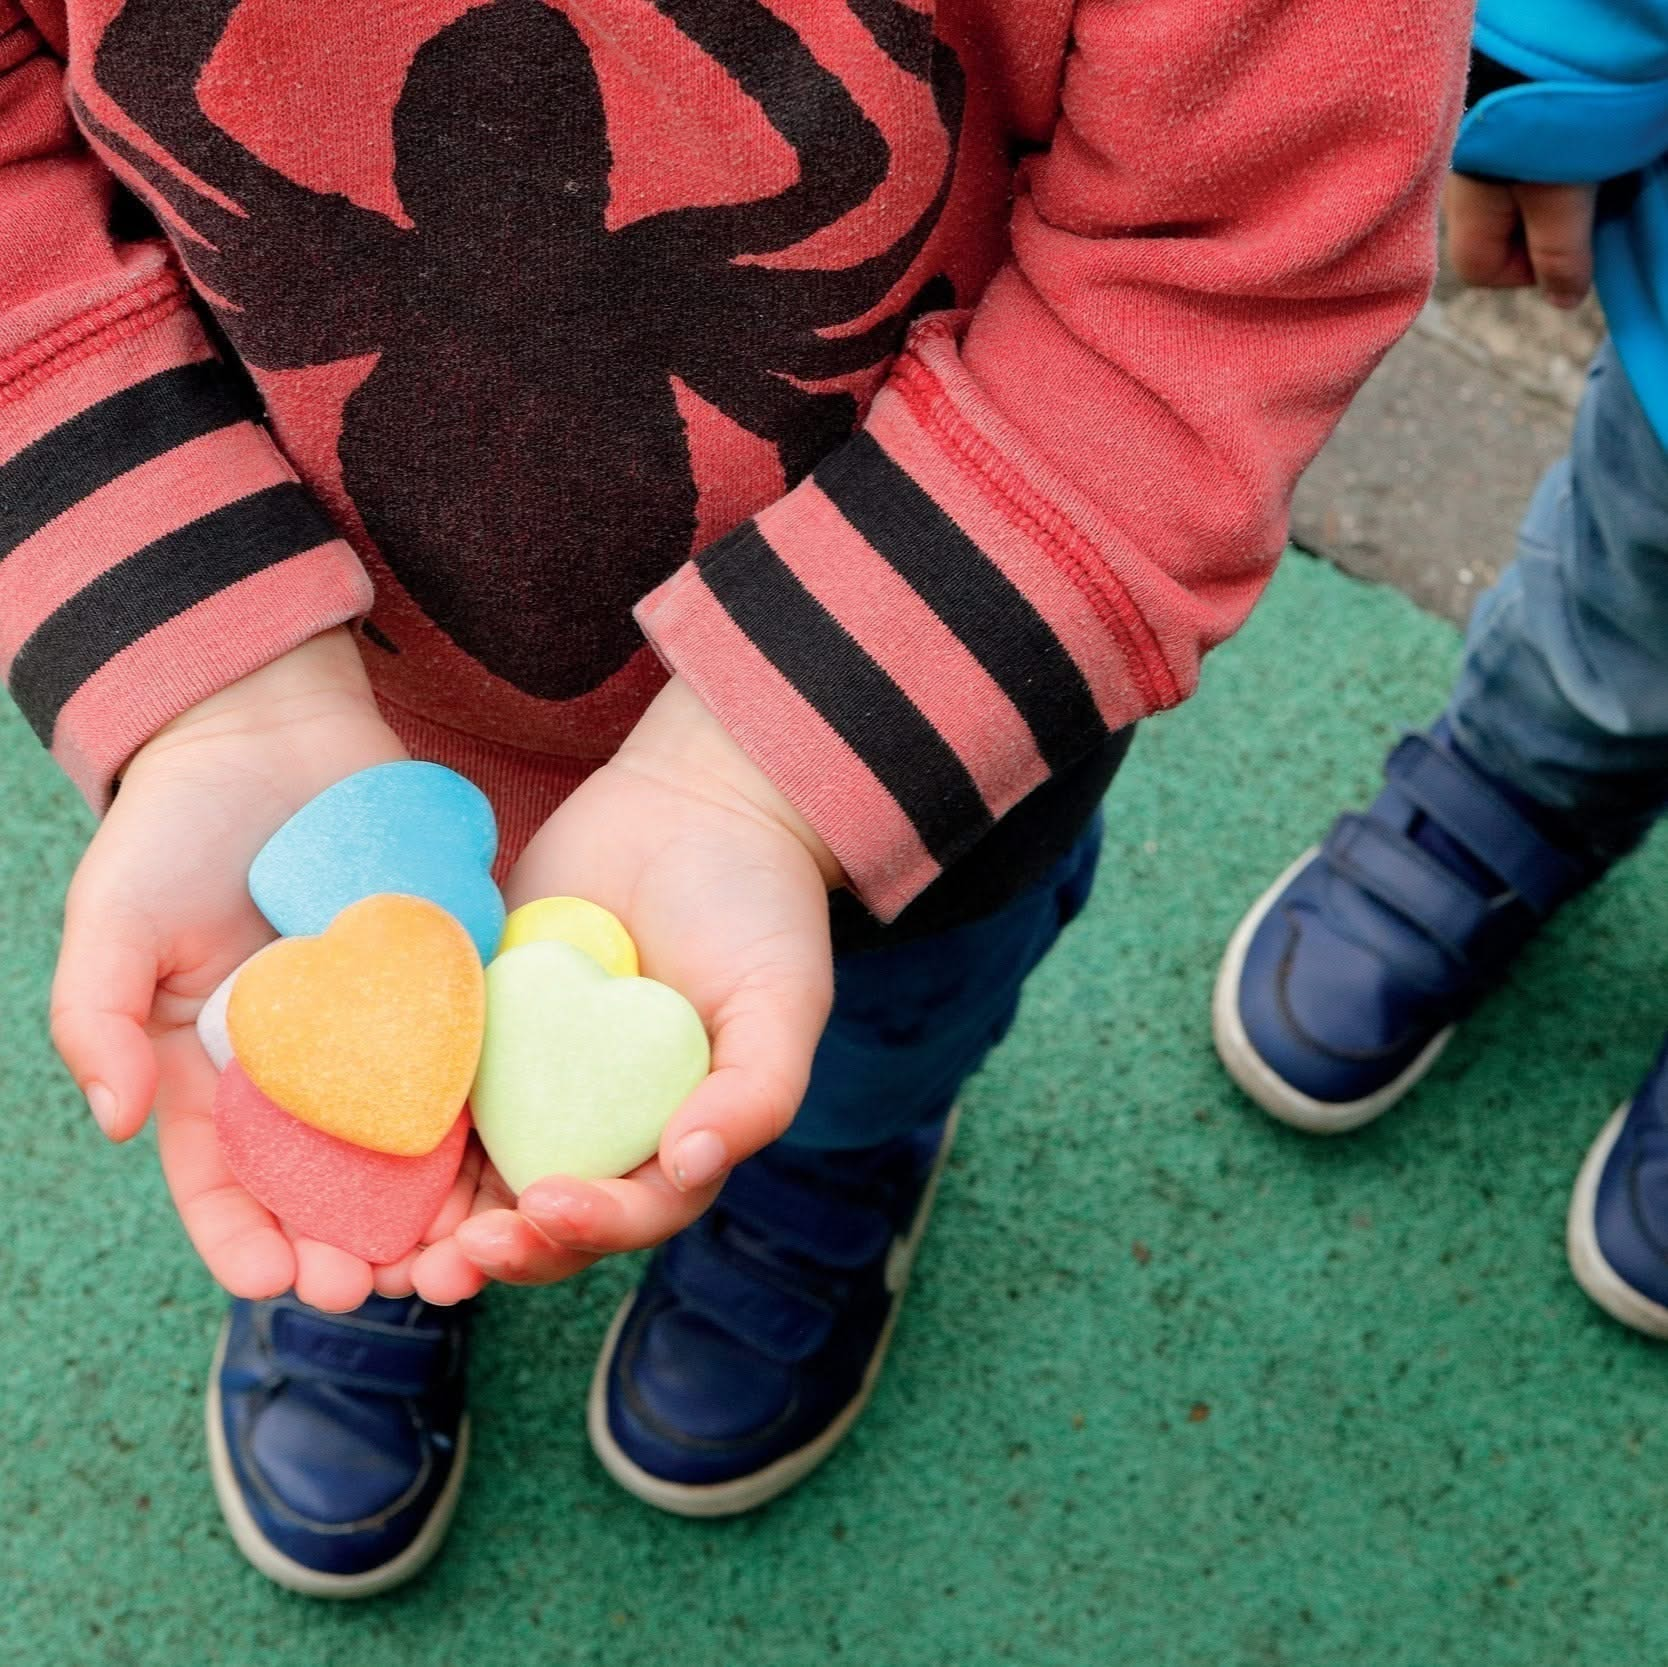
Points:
(725, 890)
(1509, 235)
(159, 913)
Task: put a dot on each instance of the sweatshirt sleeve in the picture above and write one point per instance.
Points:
(1058, 502)
(154, 544)
(1566, 92)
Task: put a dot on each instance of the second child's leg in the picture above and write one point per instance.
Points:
(758, 1333)
(1564, 691)
(1551, 761)
(1347, 977)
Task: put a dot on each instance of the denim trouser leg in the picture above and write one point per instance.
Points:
(913, 1021)
(1564, 691)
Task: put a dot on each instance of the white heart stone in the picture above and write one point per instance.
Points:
(212, 1030)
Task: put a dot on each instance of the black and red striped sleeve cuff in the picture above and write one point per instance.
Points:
(913, 639)
(155, 546)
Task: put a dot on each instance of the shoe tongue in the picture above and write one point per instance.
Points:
(811, 1211)
(1432, 837)
(808, 1247)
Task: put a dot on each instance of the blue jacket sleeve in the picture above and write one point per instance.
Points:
(1584, 93)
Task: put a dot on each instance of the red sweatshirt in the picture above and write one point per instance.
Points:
(932, 380)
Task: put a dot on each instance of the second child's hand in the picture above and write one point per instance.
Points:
(1508, 234)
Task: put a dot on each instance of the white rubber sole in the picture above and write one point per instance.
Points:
(1592, 1272)
(284, 1570)
(1253, 1073)
(746, 1493)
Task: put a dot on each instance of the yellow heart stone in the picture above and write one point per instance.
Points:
(587, 926)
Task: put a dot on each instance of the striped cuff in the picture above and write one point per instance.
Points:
(906, 644)
(154, 547)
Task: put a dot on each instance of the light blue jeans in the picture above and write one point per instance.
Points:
(1564, 690)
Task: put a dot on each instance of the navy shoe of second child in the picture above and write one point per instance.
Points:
(1618, 1218)
(757, 1335)
(1348, 976)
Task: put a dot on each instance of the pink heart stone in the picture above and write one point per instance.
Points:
(370, 1204)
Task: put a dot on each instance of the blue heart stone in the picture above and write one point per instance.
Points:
(419, 829)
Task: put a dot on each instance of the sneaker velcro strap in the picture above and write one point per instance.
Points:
(1394, 871)
(740, 1297)
(1472, 812)
(355, 1353)
(826, 1227)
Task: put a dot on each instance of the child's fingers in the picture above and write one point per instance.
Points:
(461, 1199)
(393, 1279)
(396, 1279)
(238, 1240)
(1558, 233)
(443, 1275)
(329, 1279)
(101, 1001)
(507, 1247)
(763, 1042)
(605, 1218)
(738, 1109)
(1483, 222)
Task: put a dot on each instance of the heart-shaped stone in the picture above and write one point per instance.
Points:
(587, 926)
(366, 1203)
(580, 1072)
(371, 1031)
(211, 1017)
(417, 829)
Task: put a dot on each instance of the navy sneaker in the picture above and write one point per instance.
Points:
(757, 1335)
(1346, 980)
(1618, 1222)
(338, 1442)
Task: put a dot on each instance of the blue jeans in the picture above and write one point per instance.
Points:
(1564, 690)
(913, 1021)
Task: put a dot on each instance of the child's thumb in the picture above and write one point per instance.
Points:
(101, 998)
(761, 1061)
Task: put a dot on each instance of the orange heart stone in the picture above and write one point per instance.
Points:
(370, 1031)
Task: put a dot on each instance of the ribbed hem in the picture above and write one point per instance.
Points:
(167, 671)
(155, 545)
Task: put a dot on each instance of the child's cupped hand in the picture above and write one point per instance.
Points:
(722, 886)
(725, 890)
(159, 913)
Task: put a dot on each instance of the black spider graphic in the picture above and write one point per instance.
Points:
(519, 438)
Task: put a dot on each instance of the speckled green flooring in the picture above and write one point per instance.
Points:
(1174, 1386)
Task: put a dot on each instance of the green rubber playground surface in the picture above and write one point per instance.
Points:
(1174, 1386)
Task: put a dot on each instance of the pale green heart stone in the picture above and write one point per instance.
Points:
(580, 1071)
